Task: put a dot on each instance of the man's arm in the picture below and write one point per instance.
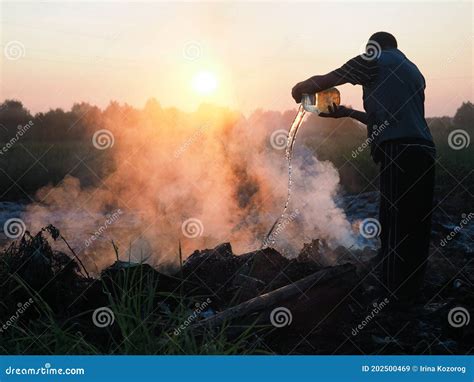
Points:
(341, 111)
(317, 84)
(357, 71)
(360, 116)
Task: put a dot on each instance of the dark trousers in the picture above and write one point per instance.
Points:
(406, 203)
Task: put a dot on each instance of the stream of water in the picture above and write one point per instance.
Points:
(270, 237)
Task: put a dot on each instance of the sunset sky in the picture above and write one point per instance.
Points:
(238, 54)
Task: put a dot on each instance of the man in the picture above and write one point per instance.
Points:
(393, 95)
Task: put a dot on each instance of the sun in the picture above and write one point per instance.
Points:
(205, 83)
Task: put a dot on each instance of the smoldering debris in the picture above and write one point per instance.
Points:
(280, 300)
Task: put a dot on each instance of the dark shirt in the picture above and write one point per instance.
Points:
(393, 94)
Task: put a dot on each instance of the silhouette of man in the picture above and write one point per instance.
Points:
(400, 140)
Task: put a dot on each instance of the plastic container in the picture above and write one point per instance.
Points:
(319, 102)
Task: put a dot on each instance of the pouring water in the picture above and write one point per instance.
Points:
(317, 103)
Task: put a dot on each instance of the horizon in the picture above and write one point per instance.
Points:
(196, 110)
(220, 53)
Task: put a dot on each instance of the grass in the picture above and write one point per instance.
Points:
(144, 318)
(139, 328)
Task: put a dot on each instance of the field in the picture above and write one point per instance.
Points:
(124, 306)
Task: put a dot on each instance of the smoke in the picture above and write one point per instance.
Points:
(198, 179)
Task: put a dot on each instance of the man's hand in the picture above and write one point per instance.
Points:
(337, 112)
(297, 92)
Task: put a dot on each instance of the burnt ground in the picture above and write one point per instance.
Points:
(343, 310)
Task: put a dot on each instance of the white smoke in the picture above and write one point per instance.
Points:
(227, 178)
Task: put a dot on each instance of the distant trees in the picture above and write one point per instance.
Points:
(12, 114)
(83, 119)
(52, 126)
(59, 142)
(464, 117)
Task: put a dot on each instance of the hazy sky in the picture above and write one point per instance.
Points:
(127, 51)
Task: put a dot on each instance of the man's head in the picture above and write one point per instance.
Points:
(384, 39)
